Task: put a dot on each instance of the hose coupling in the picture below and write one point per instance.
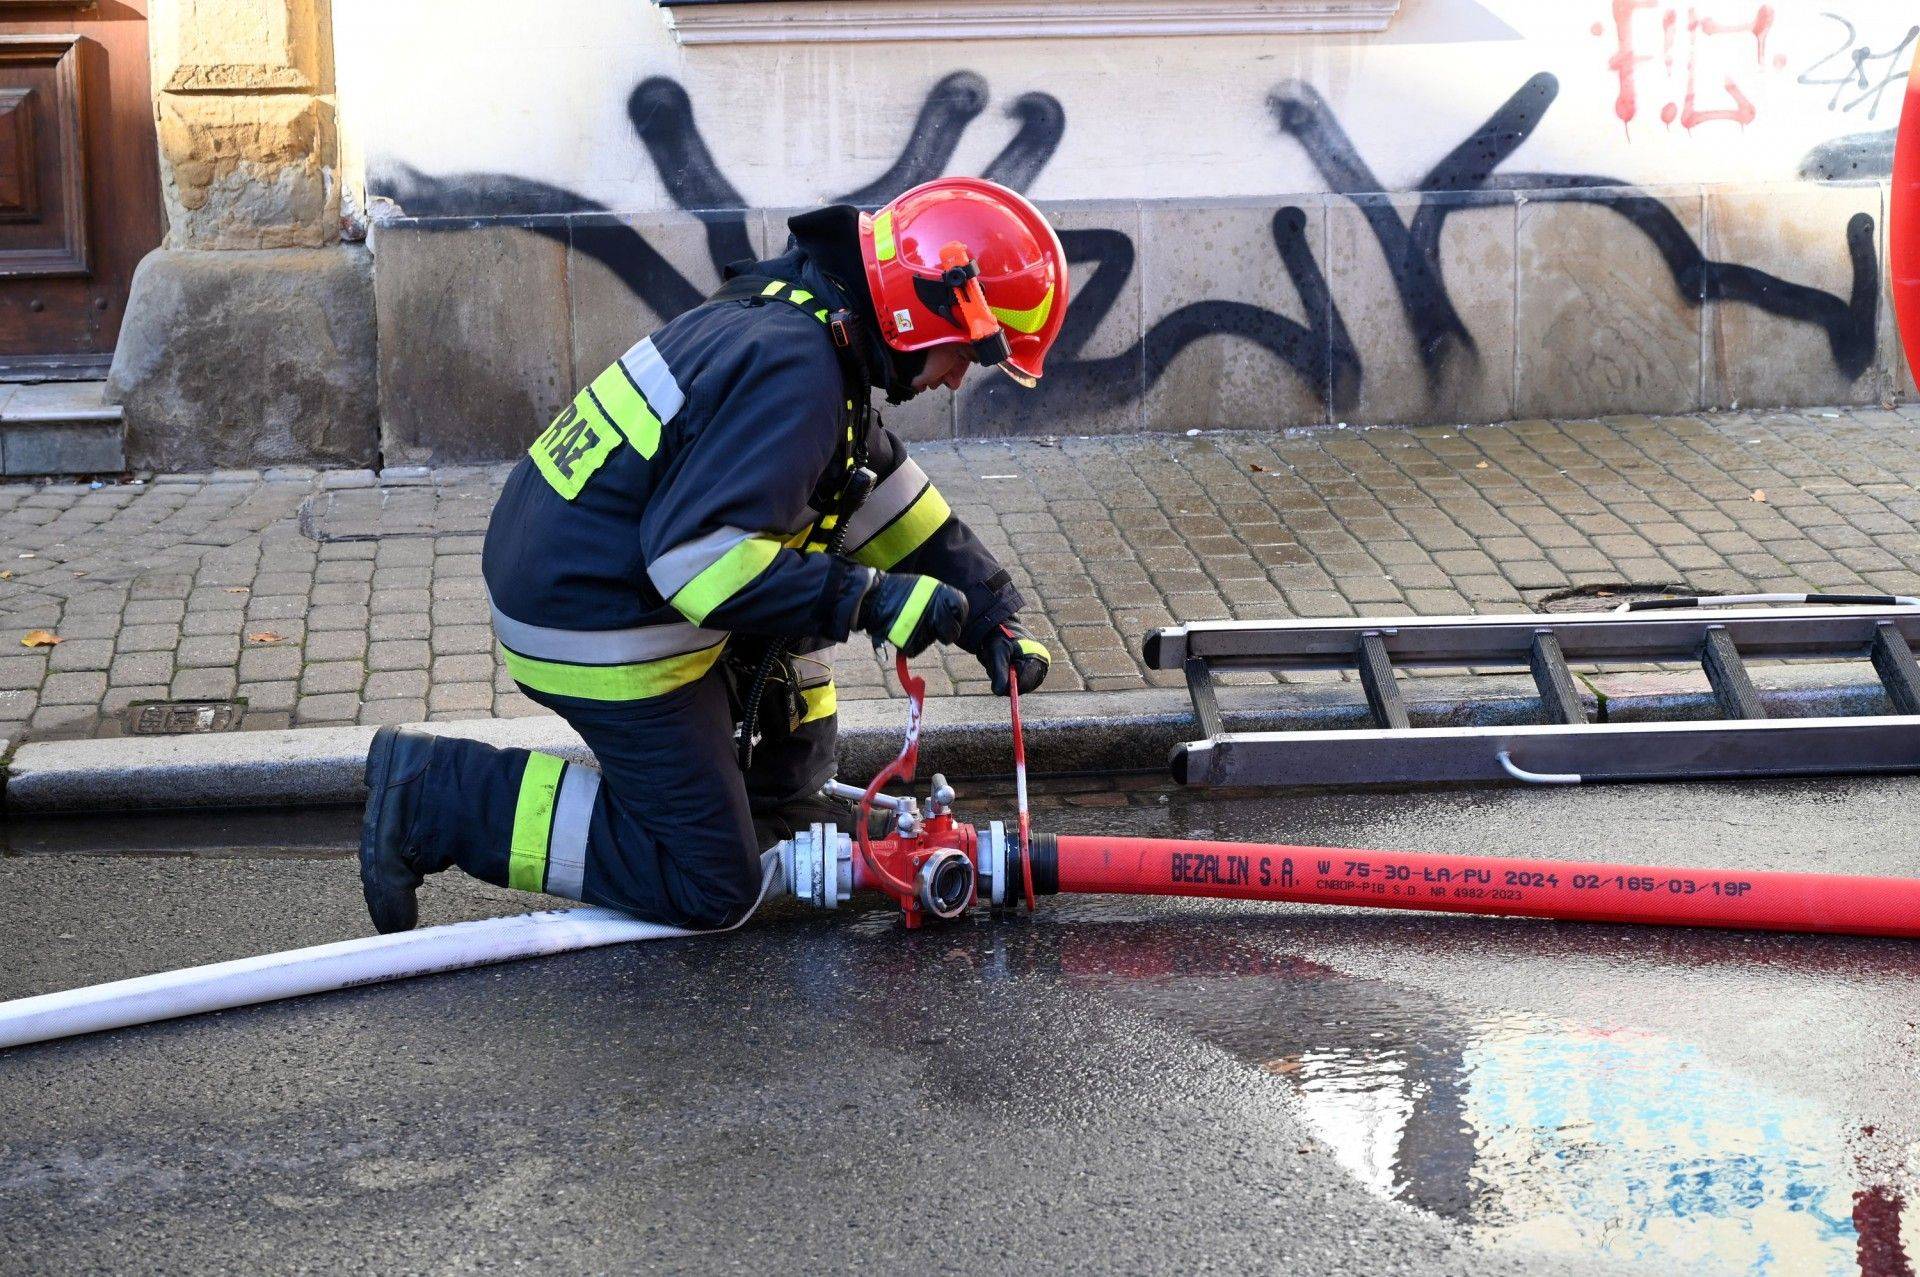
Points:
(819, 865)
(944, 883)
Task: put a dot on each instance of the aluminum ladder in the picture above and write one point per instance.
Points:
(1564, 748)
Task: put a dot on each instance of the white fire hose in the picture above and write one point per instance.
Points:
(344, 964)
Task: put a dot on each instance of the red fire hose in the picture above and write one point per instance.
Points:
(1903, 222)
(1572, 890)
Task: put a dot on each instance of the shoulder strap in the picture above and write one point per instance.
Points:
(759, 289)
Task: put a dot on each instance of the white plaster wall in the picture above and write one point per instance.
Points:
(538, 91)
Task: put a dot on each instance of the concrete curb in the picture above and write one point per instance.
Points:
(965, 736)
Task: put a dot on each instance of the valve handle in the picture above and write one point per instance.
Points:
(901, 767)
(1020, 781)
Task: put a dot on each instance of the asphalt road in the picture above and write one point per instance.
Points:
(1113, 1085)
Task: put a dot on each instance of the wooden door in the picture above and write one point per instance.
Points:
(79, 181)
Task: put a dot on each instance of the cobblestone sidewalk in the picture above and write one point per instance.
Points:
(347, 597)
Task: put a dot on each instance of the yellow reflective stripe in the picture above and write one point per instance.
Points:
(725, 577)
(611, 682)
(795, 294)
(1033, 647)
(1026, 321)
(883, 236)
(916, 607)
(908, 532)
(576, 445)
(821, 702)
(624, 405)
(533, 823)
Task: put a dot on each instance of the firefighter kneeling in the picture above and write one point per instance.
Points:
(684, 545)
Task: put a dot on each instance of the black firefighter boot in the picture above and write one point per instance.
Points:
(395, 762)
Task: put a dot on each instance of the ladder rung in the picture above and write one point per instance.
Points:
(1728, 674)
(1899, 672)
(1206, 704)
(1558, 696)
(1376, 675)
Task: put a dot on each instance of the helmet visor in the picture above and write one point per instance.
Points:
(1026, 379)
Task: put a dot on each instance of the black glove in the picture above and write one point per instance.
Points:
(1008, 645)
(911, 612)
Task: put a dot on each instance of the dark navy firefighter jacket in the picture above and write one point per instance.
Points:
(669, 506)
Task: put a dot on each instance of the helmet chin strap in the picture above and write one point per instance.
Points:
(902, 367)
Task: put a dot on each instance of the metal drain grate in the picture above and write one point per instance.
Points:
(183, 718)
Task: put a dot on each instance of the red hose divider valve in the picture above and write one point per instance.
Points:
(936, 866)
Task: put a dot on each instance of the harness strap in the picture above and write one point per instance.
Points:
(840, 491)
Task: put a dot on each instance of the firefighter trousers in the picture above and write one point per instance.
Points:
(664, 828)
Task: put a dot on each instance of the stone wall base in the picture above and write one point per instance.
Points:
(1440, 308)
(1314, 309)
(249, 358)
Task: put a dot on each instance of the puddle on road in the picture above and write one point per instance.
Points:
(1537, 1133)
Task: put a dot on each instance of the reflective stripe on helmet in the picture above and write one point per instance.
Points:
(883, 247)
(1031, 320)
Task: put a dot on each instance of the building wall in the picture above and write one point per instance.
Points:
(1495, 208)
(245, 112)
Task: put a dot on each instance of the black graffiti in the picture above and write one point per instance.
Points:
(1888, 68)
(663, 120)
(1318, 349)
(1413, 252)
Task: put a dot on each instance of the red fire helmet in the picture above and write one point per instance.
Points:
(967, 261)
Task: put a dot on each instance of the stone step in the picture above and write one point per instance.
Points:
(59, 428)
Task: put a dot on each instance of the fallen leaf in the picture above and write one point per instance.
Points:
(266, 636)
(1256, 467)
(41, 638)
(1760, 494)
(6, 575)
(1479, 465)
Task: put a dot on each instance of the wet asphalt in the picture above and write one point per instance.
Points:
(1112, 1085)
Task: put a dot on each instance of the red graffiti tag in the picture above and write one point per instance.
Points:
(1626, 62)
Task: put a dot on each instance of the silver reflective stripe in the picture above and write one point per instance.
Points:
(650, 373)
(602, 647)
(895, 493)
(813, 662)
(672, 570)
(567, 844)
